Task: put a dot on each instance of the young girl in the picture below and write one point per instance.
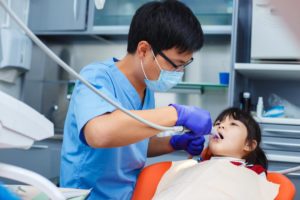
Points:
(238, 138)
(236, 169)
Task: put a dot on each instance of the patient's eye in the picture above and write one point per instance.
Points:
(217, 123)
(234, 124)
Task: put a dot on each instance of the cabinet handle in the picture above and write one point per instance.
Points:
(274, 12)
(75, 10)
(294, 174)
(282, 144)
(280, 131)
(283, 158)
(262, 4)
(37, 146)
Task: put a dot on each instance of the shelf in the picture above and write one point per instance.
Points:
(205, 18)
(197, 86)
(180, 86)
(270, 120)
(217, 29)
(269, 71)
(187, 87)
(111, 30)
(54, 82)
(123, 30)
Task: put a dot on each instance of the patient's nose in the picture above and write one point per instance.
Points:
(221, 126)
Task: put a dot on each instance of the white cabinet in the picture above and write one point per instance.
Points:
(256, 69)
(80, 17)
(269, 71)
(57, 15)
(271, 38)
(215, 15)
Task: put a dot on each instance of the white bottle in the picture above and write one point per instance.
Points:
(259, 107)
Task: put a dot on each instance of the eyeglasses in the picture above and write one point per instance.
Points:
(177, 67)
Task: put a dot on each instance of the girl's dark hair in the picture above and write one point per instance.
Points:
(165, 25)
(257, 156)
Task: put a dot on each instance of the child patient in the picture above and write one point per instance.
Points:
(236, 169)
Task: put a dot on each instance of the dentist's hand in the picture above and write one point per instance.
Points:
(193, 118)
(188, 142)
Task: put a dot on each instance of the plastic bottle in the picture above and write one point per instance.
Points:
(259, 107)
(246, 102)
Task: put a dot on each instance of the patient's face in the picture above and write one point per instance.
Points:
(232, 141)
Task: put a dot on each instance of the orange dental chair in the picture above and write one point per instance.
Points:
(150, 176)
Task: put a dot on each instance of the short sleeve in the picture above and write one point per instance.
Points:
(87, 104)
(7, 194)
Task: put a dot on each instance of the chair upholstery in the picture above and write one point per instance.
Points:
(287, 189)
(148, 180)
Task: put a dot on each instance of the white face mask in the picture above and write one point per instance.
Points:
(165, 81)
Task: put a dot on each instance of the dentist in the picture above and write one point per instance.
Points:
(103, 148)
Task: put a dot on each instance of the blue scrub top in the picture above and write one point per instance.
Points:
(7, 194)
(111, 172)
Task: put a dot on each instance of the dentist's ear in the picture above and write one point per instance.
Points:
(250, 146)
(142, 48)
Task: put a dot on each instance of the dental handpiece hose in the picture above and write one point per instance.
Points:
(60, 62)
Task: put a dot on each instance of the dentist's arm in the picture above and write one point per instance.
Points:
(159, 145)
(118, 129)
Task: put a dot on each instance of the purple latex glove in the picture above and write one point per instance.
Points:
(193, 118)
(188, 142)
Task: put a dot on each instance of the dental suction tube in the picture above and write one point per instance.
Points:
(60, 62)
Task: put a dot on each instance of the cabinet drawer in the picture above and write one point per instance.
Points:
(282, 131)
(277, 166)
(281, 144)
(291, 158)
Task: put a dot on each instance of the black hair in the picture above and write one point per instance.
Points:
(257, 156)
(165, 25)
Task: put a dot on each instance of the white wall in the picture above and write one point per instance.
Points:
(213, 58)
(87, 51)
